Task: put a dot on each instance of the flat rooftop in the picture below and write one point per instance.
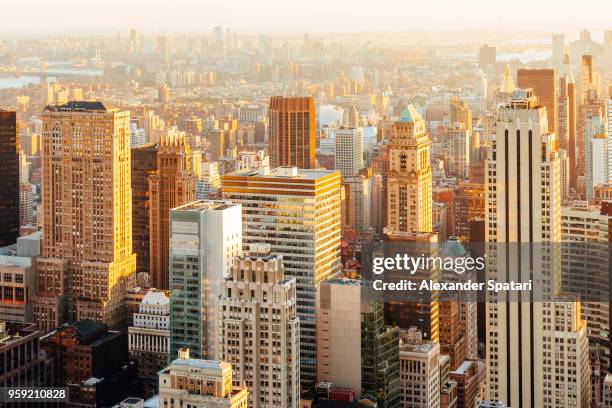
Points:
(206, 205)
(284, 172)
(198, 363)
(78, 106)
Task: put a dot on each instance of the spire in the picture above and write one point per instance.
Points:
(508, 84)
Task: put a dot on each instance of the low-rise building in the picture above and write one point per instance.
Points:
(149, 338)
(189, 382)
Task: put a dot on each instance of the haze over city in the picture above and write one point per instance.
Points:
(323, 16)
(311, 204)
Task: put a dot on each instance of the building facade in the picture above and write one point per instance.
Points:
(149, 338)
(189, 382)
(420, 375)
(543, 82)
(23, 364)
(205, 236)
(349, 151)
(292, 132)
(9, 177)
(409, 181)
(144, 164)
(87, 263)
(259, 333)
(19, 278)
(297, 212)
(523, 217)
(172, 185)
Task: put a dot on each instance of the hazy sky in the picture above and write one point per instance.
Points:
(104, 16)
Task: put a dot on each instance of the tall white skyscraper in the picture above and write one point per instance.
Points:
(349, 151)
(260, 330)
(537, 352)
(205, 236)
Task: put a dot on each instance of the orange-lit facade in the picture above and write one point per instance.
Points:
(172, 185)
(292, 132)
(469, 205)
(86, 264)
(409, 186)
(544, 86)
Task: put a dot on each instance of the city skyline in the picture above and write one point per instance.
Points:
(219, 218)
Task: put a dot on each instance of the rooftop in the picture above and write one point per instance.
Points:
(78, 106)
(409, 115)
(453, 248)
(417, 347)
(284, 172)
(463, 367)
(199, 364)
(206, 205)
(155, 298)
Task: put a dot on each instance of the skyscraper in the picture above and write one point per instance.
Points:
(487, 56)
(86, 264)
(144, 164)
(292, 132)
(172, 185)
(297, 212)
(610, 138)
(460, 114)
(380, 356)
(349, 151)
(259, 333)
(358, 195)
(409, 190)
(590, 128)
(585, 233)
(458, 147)
(9, 177)
(586, 77)
(341, 308)
(420, 375)
(563, 114)
(544, 85)
(524, 333)
(571, 133)
(205, 236)
(558, 50)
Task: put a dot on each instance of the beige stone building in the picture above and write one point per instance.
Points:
(420, 375)
(537, 352)
(86, 264)
(259, 332)
(409, 189)
(339, 332)
(189, 382)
